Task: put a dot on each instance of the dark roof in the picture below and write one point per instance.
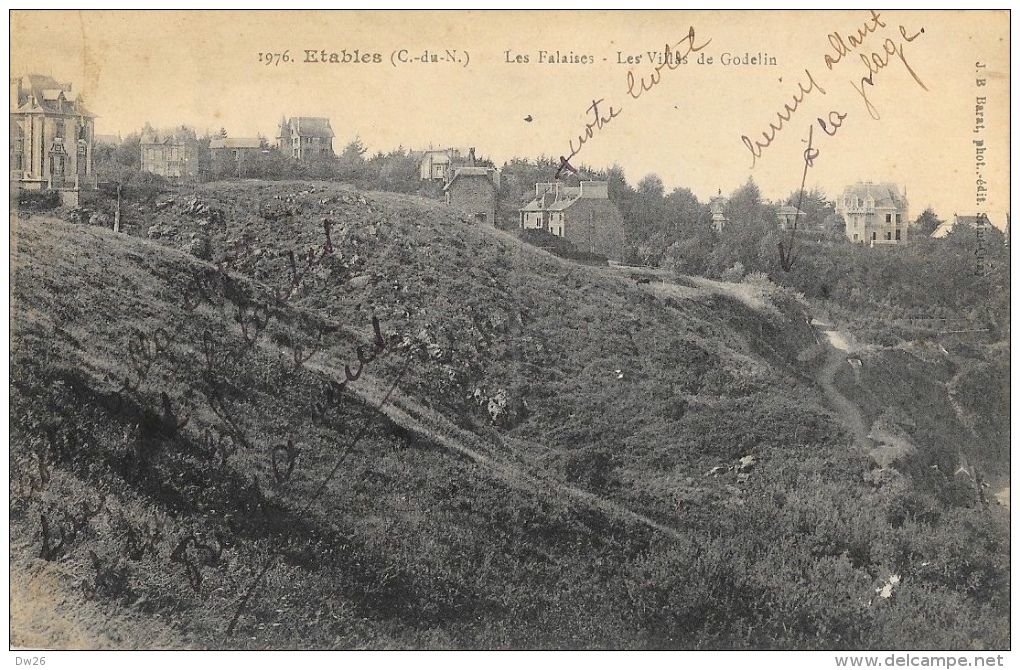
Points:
(50, 96)
(488, 174)
(166, 138)
(885, 194)
(308, 126)
(557, 198)
(969, 220)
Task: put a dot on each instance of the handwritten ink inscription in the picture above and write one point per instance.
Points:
(672, 57)
(874, 62)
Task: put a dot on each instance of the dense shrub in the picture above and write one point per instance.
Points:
(560, 246)
(145, 186)
(38, 201)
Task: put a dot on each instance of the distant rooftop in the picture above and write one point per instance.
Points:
(308, 126)
(235, 143)
(885, 194)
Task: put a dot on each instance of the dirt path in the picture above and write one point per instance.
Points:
(842, 405)
(836, 357)
(411, 415)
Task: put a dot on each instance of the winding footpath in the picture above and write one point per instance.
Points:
(836, 357)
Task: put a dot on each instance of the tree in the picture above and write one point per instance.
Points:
(397, 170)
(643, 211)
(746, 208)
(814, 204)
(224, 166)
(350, 164)
(926, 223)
(687, 233)
(517, 186)
(651, 186)
(129, 153)
(750, 236)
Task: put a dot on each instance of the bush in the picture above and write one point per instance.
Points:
(560, 246)
(145, 186)
(735, 273)
(39, 201)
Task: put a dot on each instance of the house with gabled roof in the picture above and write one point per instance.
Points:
(582, 214)
(52, 135)
(236, 148)
(305, 137)
(475, 192)
(789, 216)
(964, 220)
(441, 164)
(438, 164)
(875, 213)
(233, 152)
(169, 154)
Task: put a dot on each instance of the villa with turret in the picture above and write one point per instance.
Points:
(875, 213)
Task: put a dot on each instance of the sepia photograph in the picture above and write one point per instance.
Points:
(563, 330)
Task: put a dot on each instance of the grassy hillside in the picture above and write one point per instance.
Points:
(952, 399)
(556, 465)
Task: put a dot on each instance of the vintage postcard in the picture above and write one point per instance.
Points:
(516, 330)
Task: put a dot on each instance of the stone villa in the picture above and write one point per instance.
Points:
(52, 135)
(305, 137)
(875, 213)
(582, 214)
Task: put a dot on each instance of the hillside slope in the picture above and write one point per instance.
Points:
(521, 462)
(579, 365)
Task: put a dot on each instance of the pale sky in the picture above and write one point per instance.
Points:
(203, 69)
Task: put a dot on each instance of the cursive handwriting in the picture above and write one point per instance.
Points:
(635, 88)
(840, 47)
(672, 63)
(598, 123)
(378, 346)
(879, 61)
(783, 116)
(830, 127)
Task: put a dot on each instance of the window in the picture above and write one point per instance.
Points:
(897, 219)
(873, 236)
(888, 218)
(855, 237)
(18, 155)
(897, 230)
(888, 235)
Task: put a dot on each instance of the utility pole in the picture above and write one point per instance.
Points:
(116, 214)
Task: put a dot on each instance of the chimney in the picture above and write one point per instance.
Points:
(15, 93)
(471, 157)
(595, 189)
